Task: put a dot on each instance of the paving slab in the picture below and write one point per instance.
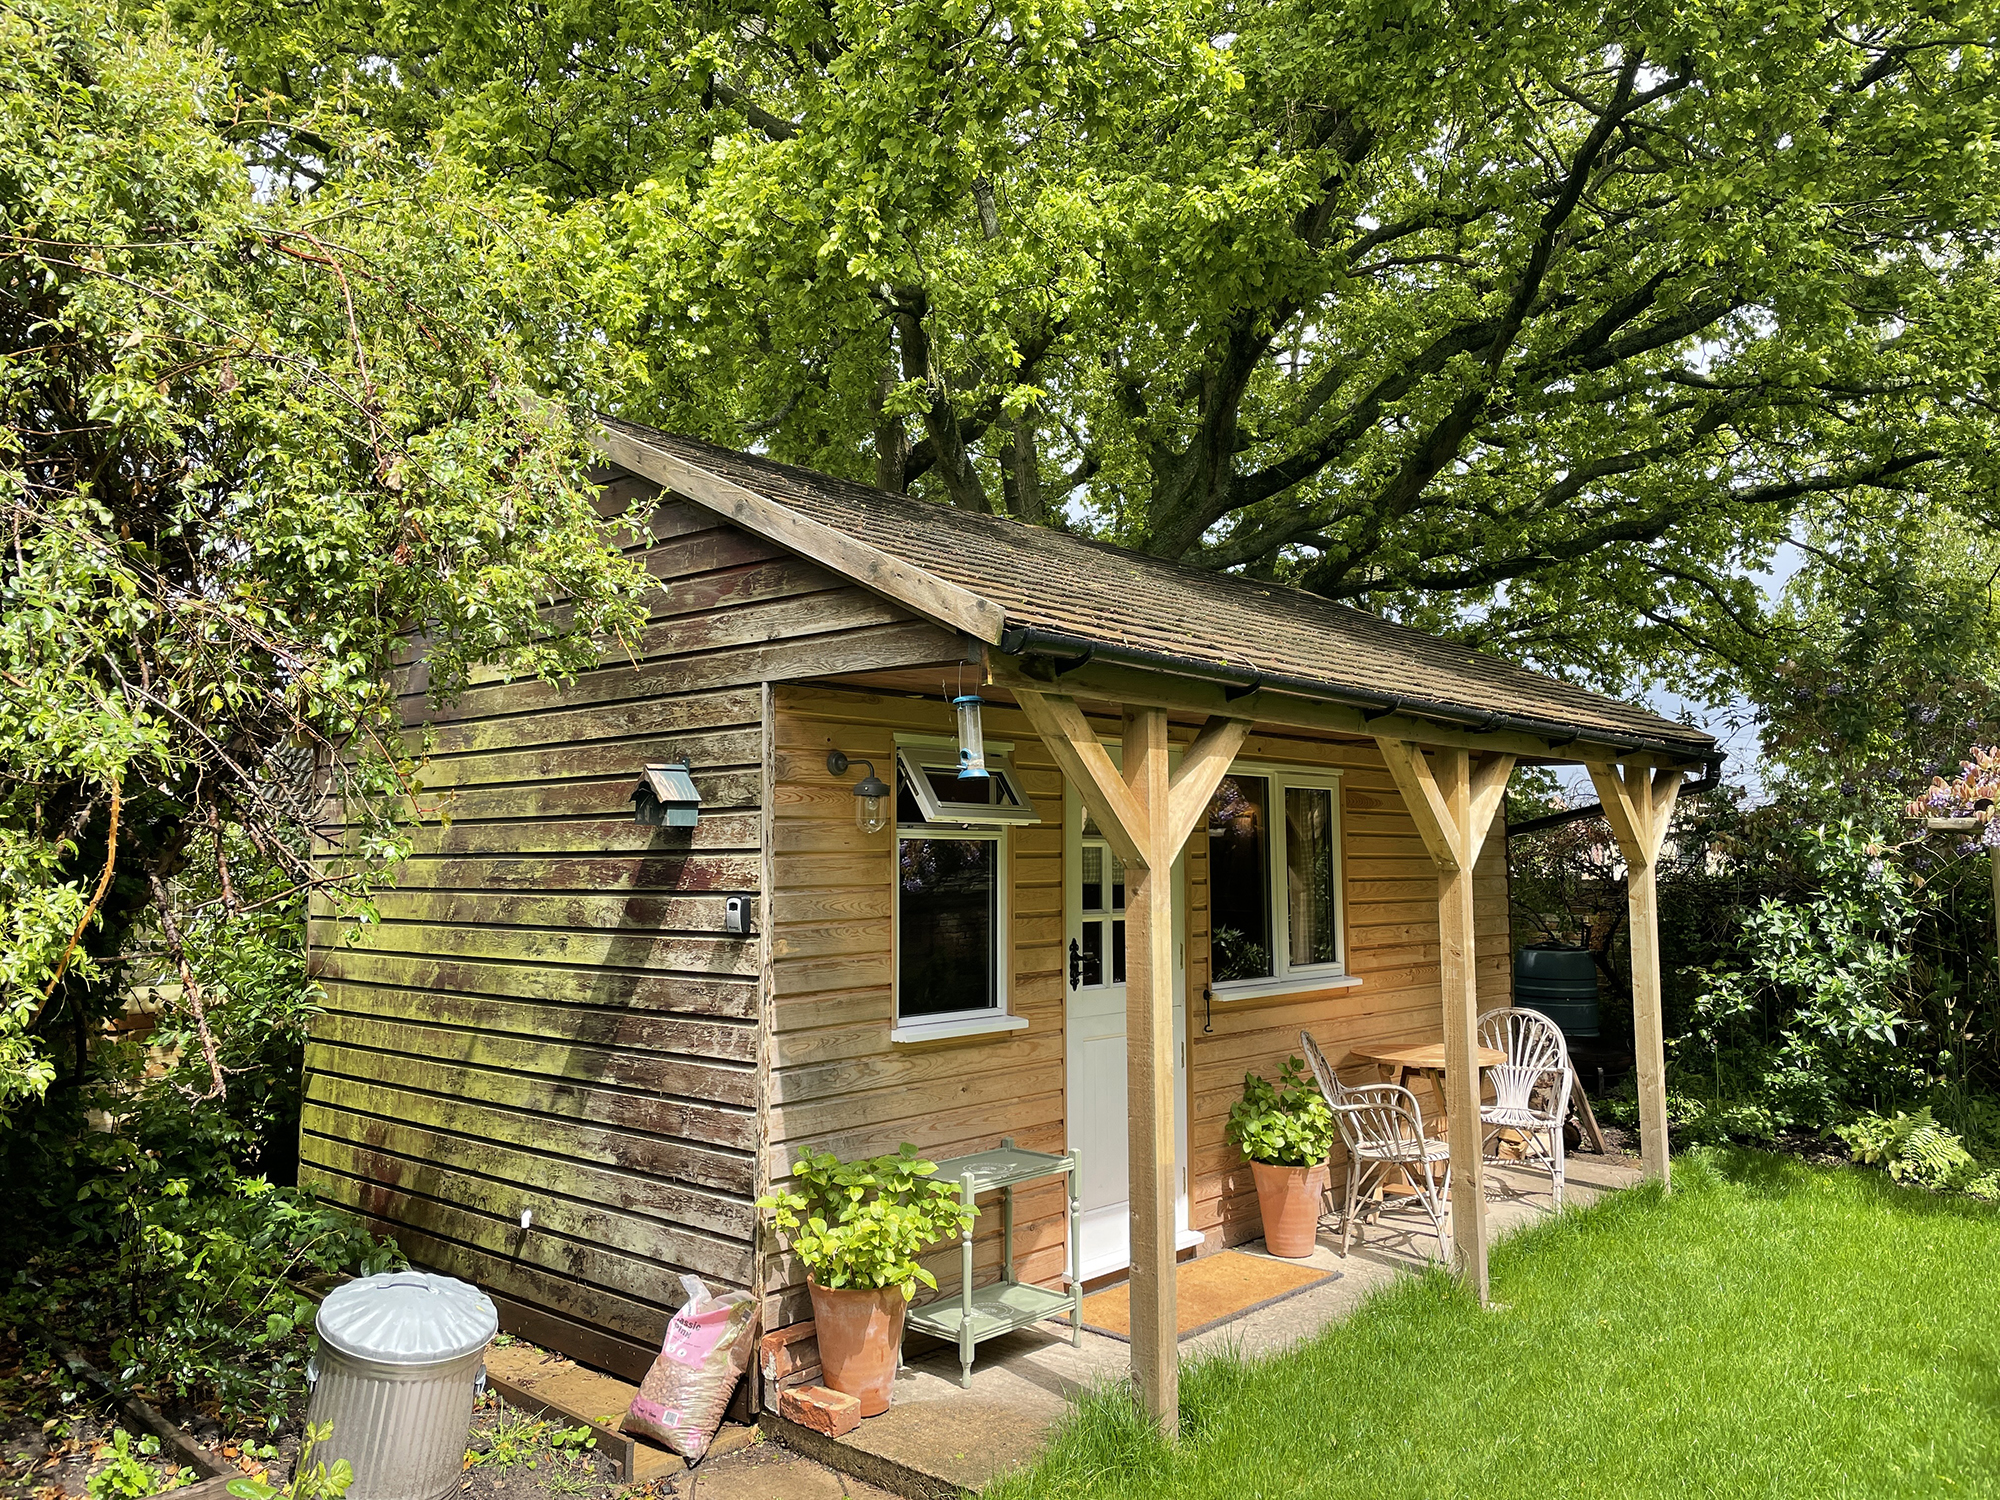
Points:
(768, 1472)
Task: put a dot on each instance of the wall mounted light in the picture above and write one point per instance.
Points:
(873, 800)
(666, 796)
(971, 739)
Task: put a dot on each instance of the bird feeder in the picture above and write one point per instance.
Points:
(971, 738)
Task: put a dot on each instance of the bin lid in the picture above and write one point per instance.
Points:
(407, 1318)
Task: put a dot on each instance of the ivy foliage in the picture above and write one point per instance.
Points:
(862, 1224)
(1284, 1124)
(257, 442)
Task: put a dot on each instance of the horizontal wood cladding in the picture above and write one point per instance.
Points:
(837, 1083)
(545, 1011)
(1391, 924)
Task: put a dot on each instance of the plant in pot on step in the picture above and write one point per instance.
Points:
(1287, 1131)
(857, 1227)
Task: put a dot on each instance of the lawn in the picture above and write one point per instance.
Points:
(1769, 1329)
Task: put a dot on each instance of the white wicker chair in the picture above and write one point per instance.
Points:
(1530, 1089)
(1383, 1129)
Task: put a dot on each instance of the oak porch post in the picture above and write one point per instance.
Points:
(1453, 803)
(1146, 814)
(1638, 803)
(1149, 1088)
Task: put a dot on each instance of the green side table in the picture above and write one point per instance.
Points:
(983, 1312)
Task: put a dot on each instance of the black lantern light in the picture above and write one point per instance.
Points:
(666, 796)
(873, 800)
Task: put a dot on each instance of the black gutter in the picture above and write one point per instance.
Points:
(1021, 640)
(1711, 778)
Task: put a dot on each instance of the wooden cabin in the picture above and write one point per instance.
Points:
(577, 1046)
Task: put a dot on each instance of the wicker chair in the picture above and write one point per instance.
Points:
(1530, 1089)
(1383, 1129)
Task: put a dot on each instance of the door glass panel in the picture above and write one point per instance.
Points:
(1309, 875)
(1093, 953)
(1093, 877)
(947, 909)
(1239, 842)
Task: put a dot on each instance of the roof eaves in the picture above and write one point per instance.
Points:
(925, 593)
(1022, 640)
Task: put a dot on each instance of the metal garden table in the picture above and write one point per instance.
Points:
(978, 1313)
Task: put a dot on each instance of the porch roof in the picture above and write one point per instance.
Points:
(1030, 589)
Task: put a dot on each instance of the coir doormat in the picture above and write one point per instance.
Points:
(1208, 1292)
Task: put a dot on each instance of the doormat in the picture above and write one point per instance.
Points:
(1208, 1292)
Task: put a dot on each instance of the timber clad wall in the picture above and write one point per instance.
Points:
(549, 1015)
(837, 1082)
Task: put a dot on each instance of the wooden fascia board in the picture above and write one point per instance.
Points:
(1119, 685)
(926, 594)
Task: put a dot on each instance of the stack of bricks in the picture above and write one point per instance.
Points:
(789, 1360)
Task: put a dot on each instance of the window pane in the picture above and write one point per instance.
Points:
(907, 810)
(1093, 877)
(1239, 878)
(1309, 874)
(1117, 884)
(1117, 952)
(947, 907)
(975, 789)
(1093, 954)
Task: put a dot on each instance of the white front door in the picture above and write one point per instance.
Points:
(1094, 1035)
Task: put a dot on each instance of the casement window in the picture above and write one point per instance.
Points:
(951, 894)
(1274, 881)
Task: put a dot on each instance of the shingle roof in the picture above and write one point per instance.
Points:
(1054, 582)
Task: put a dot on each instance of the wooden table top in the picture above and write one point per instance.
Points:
(1424, 1056)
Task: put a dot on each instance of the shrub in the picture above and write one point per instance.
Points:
(1917, 1150)
(862, 1223)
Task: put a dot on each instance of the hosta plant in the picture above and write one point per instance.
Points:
(861, 1224)
(1282, 1124)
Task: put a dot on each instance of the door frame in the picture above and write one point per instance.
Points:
(1185, 1237)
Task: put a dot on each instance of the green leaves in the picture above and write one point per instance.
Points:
(1285, 1124)
(863, 1223)
(259, 448)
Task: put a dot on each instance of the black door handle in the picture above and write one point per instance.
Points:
(1075, 963)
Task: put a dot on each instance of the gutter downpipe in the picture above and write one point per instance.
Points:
(1019, 640)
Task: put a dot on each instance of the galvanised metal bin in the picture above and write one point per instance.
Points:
(401, 1359)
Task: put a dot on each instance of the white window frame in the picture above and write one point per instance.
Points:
(914, 759)
(994, 830)
(1284, 979)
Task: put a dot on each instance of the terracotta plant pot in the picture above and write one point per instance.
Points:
(1289, 1198)
(859, 1332)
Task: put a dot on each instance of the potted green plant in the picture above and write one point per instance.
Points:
(1287, 1131)
(857, 1227)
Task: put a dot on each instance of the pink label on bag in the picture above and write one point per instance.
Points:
(690, 1340)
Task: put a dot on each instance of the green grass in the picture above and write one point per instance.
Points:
(1769, 1329)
